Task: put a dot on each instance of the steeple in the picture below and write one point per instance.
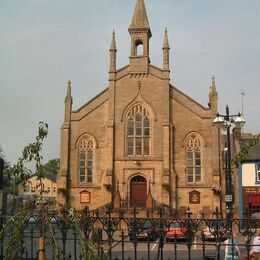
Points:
(140, 33)
(140, 19)
(68, 103)
(166, 51)
(112, 50)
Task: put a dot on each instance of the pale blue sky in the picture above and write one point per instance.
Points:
(44, 43)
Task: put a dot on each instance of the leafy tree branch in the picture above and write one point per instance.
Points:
(243, 153)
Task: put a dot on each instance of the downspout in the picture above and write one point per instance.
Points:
(240, 191)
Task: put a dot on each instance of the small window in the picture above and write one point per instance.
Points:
(258, 173)
(26, 188)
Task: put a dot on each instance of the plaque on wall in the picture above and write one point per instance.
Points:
(85, 196)
(194, 197)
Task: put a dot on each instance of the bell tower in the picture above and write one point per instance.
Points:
(140, 33)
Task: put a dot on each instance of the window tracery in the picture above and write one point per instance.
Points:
(86, 161)
(193, 159)
(138, 131)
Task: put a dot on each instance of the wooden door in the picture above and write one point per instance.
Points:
(138, 192)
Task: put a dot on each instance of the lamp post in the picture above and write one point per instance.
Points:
(225, 122)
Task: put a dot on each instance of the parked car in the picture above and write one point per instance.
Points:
(176, 231)
(146, 231)
(209, 232)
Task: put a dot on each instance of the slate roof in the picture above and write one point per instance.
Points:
(254, 153)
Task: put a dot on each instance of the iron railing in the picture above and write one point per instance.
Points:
(119, 235)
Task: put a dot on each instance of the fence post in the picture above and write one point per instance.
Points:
(41, 238)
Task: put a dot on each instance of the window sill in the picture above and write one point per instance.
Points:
(138, 158)
(86, 185)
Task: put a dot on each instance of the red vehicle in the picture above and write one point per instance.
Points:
(176, 231)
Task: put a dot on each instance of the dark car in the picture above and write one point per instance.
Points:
(144, 231)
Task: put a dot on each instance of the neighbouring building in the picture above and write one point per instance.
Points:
(141, 135)
(31, 188)
(249, 182)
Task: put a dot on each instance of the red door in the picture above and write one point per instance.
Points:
(138, 192)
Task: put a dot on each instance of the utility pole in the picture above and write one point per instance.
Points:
(1, 205)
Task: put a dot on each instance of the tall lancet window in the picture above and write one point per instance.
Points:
(86, 161)
(138, 131)
(193, 159)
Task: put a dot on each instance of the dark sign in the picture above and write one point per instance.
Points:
(194, 197)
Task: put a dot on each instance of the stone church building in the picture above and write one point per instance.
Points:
(140, 136)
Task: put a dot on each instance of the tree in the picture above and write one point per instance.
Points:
(52, 166)
(7, 181)
(31, 154)
(241, 156)
(1, 152)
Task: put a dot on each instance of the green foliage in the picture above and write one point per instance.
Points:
(15, 244)
(30, 153)
(7, 182)
(52, 166)
(1, 152)
(242, 155)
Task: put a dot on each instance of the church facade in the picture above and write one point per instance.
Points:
(140, 136)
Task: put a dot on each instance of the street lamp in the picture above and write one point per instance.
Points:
(225, 122)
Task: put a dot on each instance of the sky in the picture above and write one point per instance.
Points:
(45, 43)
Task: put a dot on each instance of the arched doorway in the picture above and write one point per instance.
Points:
(138, 192)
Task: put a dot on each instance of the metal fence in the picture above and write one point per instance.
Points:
(117, 235)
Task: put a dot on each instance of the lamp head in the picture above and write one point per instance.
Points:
(219, 121)
(239, 121)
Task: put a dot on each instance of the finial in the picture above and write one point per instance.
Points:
(213, 82)
(166, 44)
(68, 89)
(113, 42)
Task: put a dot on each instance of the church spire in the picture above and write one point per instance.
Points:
(166, 51)
(140, 19)
(112, 50)
(140, 33)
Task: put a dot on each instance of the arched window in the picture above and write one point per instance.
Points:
(193, 159)
(86, 161)
(138, 131)
(139, 48)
